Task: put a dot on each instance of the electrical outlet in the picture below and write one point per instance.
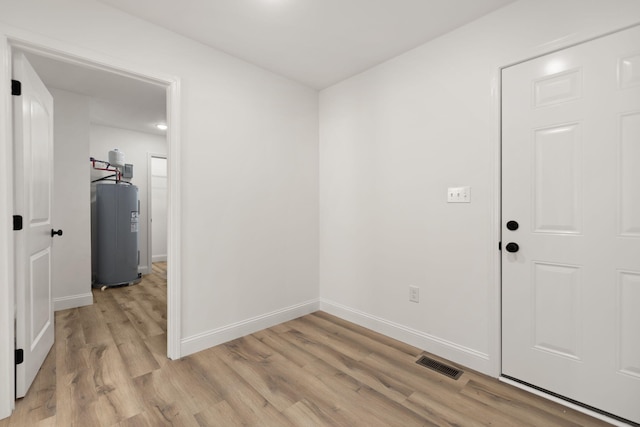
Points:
(459, 195)
(414, 294)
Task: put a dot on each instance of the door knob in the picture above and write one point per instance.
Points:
(54, 232)
(513, 225)
(512, 247)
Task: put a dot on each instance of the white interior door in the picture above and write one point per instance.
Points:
(571, 180)
(33, 150)
(158, 208)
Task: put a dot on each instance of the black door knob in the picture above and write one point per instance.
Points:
(512, 247)
(54, 232)
(513, 225)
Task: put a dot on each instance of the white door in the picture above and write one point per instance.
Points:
(33, 151)
(571, 180)
(158, 189)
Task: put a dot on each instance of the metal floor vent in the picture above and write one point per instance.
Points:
(434, 365)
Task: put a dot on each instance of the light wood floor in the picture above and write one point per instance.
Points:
(109, 367)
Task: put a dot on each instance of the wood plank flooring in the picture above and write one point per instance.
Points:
(109, 368)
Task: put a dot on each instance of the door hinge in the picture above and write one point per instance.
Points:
(19, 356)
(16, 88)
(499, 246)
(17, 222)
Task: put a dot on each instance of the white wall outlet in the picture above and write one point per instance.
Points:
(459, 195)
(414, 294)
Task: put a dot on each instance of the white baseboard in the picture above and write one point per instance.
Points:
(144, 269)
(72, 301)
(159, 258)
(456, 353)
(230, 332)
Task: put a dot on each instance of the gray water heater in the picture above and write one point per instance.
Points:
(116, 216)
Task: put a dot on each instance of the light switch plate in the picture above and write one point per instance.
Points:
(414, 294)
(459, 195)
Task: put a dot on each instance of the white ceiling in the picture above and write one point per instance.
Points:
(115, 100)
(316, 42)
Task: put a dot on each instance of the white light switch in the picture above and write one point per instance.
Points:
(459, 195)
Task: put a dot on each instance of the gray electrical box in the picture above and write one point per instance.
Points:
(116, 245)
(127, 172)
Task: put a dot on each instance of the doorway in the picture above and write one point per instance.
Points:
(157, 205)
(571, 234)
(53, 49)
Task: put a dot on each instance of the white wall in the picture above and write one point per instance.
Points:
(392, 140)
(135, 146)
(71, 266)
(249, 162)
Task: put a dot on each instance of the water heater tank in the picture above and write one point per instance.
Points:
(116, 234)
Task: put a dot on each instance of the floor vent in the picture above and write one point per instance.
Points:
(434, 365)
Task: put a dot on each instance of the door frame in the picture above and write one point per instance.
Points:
(496, 90)
(11, 38)
(150, 157)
